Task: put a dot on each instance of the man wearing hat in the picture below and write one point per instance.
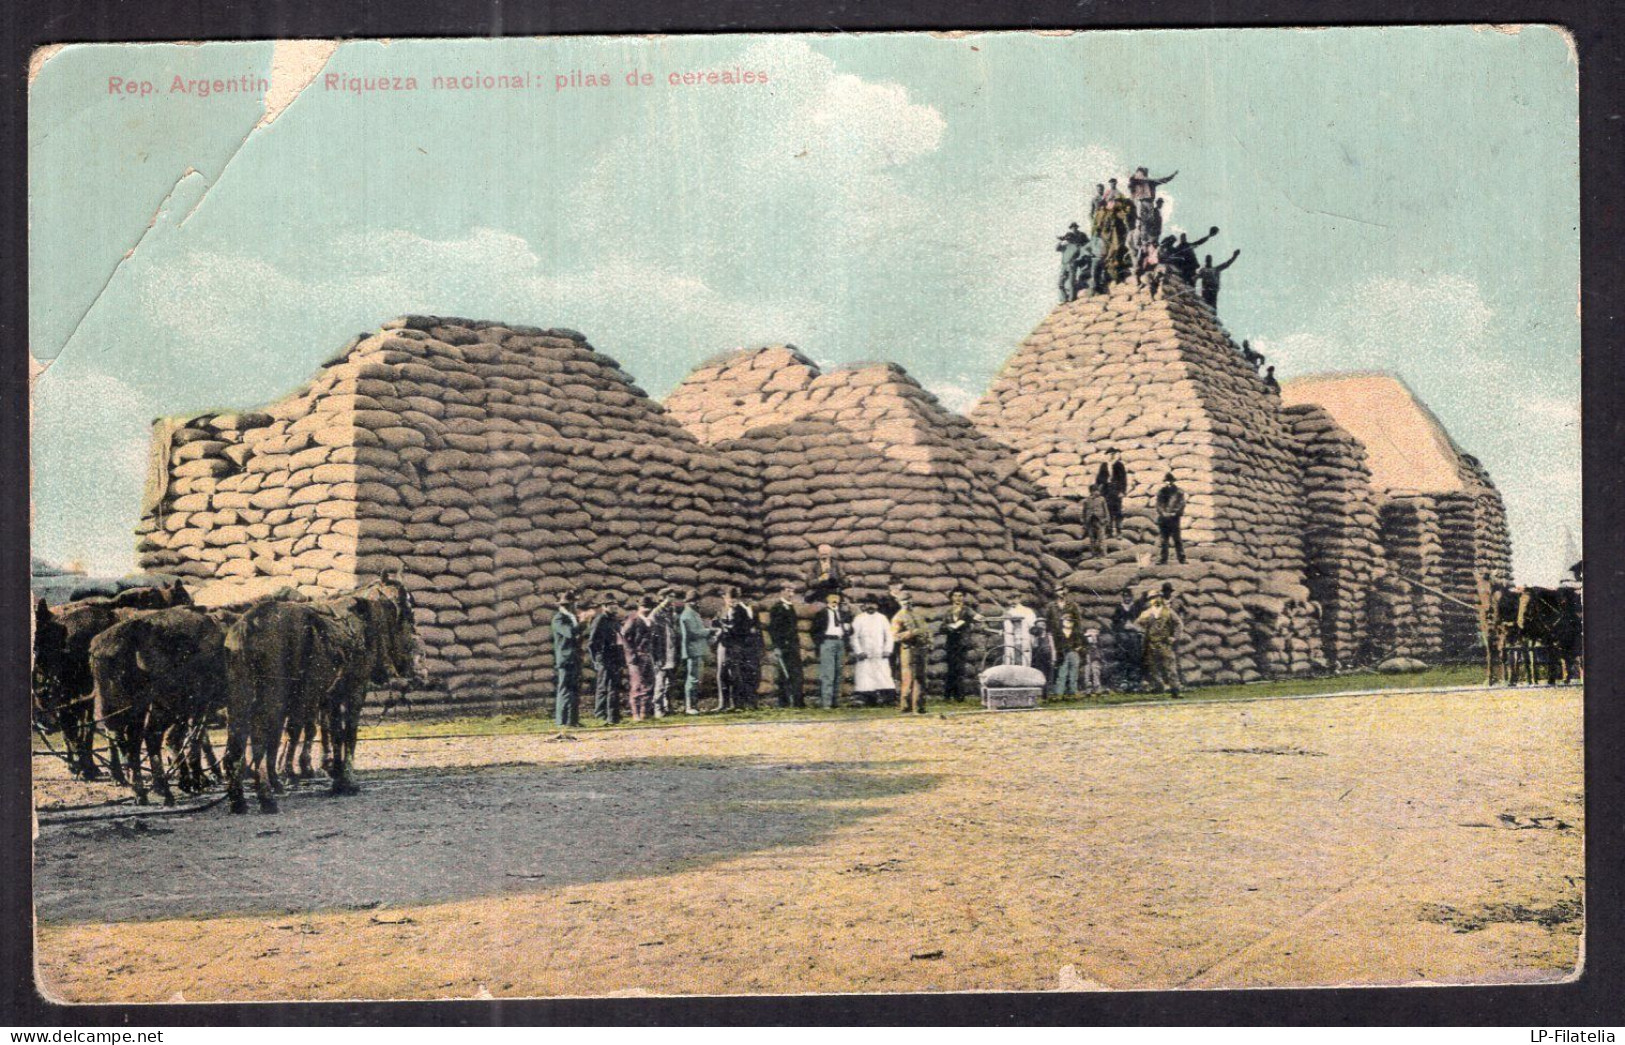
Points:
(566, 628)
(1170, 516)
(957, 633)
(911, 637)
(739, 652)
(1094, 662)
(608, 662)
(664, 645)
(1162, 628)
(1128, 642)
(831, 629)
(784, 636)
(693, 643)
(1112, 478)
(1076, 262)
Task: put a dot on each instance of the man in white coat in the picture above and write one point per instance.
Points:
(872, 683)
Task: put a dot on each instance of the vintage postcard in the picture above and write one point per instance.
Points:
(781, 514)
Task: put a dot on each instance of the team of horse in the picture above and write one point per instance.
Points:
(152, 672)
(1527, 629)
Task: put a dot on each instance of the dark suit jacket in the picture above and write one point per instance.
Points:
(664, 640)
(782, 625)
(566, 636)
(739, 634)
(958, 628)
(820, 625)
(604, 640)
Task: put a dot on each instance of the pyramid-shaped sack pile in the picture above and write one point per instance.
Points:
(864, 459)
(492, 466)
(1159, 381)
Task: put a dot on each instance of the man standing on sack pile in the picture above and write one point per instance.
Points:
(1182, 258)
(825, 576)
(1112, 478)
(1171, 517)
(1097, 519)
(1077, 264)
(912, 638)
(1208, 277)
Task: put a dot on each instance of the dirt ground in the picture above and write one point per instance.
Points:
(1370, 840)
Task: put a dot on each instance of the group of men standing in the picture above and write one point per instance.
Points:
(636, 658)
(1125, 238)
(1139, 653)
(644, 651)
(1102, 508)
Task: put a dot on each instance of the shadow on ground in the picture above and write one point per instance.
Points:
(415, 837)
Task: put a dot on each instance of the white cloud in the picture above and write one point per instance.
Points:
(839, 119)
(955, 397)
(815, 142)
(218, 303)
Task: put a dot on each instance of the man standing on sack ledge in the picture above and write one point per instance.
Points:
(1170, 516)
(825, 576)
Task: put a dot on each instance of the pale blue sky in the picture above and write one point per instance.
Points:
(1405, 199)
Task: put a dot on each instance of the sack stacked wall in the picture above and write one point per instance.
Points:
(1492, 539)
(1159, 380)
(249, 502)
(494, 467)
(1443, 521)
(864, 459)
(1412, 546)
(1341, 536)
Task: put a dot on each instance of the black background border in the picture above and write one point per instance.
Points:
(1595, 999)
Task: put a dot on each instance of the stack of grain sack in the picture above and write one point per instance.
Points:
(1159, 380)
(1344, 555)
(864, 459)
(1411, 543)
(204, 510)
(1492, 540)
(492, 466)
(1443, 522)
